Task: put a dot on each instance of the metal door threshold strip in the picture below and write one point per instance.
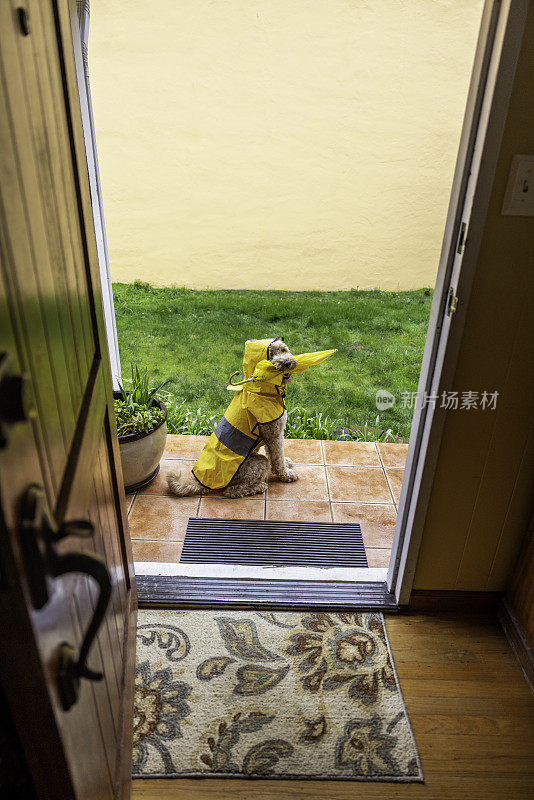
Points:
(168, 591)
(273, 543)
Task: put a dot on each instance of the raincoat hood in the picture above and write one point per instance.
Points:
(258, 370)
(256, 350)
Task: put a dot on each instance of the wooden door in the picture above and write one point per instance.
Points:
(57, 433)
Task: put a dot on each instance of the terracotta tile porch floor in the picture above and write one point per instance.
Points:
(338, 482)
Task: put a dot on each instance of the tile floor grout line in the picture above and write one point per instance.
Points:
(355, 466)
(131, 504)
(386, 475)
(271, 499)
(380, 456)
(364, 502)
(387, 478)
(327, 483)
(322, 464)
(359, 466)
(167, 457)
(389, 466)
(389, 486)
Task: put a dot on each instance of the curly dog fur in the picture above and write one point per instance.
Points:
(252, 476)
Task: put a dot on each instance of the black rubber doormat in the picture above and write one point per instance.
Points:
(273, 543)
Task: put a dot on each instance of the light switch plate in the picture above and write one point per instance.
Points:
(519, 196)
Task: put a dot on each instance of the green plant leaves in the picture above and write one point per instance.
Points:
(134, 418)
(135, 410)
(142, 389)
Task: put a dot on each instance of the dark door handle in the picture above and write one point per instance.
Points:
(39, 534)
(15, 402)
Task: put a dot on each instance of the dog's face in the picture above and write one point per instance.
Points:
(280, 356)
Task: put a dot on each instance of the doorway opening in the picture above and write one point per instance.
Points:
(356, 472)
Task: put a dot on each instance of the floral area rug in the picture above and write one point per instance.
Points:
(270, 695)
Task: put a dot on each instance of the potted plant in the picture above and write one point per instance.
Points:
(142, 429)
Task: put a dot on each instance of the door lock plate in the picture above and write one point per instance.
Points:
(452, 302)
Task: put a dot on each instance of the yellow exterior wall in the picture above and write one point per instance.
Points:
(291, 145)
(483, 493)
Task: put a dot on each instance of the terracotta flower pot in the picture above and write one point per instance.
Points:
(141, 452)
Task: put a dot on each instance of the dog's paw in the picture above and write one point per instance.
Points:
(289, 476)
(289, 463)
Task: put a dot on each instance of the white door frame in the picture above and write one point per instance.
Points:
(493, 75)
(79, 19)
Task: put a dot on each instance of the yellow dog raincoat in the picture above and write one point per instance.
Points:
(258, 398)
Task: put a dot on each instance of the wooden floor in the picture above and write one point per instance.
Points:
(470, 707)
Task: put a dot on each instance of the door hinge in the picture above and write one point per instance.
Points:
(452, 302)
(462, 238)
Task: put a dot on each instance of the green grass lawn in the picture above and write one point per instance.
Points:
(196, 339)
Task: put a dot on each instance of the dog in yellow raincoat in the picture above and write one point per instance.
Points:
(256, 416)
